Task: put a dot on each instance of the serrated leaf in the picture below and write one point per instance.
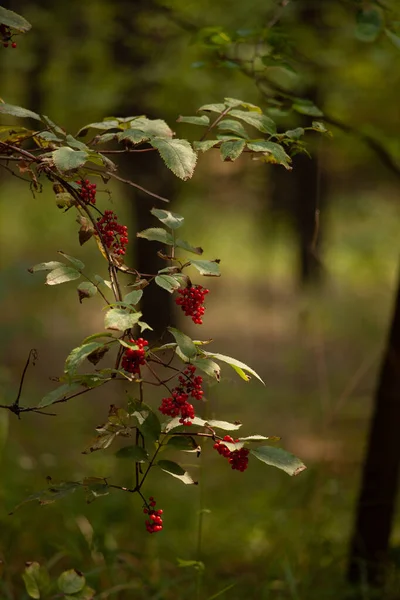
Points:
(203, 120)
(184, 342)
(36, 579)
(279, 458)
(237, 365)
(178, 156)
(14, 20)
(66, 159)
(275, 150)
(234, 126)
(133, 297)
(71, 582)
(120, 319)
(156, 234)
(176, 471)
(218, 108)
(232, 150)
(135, 453)
(205, 145)
(260, 122)
(152, 127)
(62, 275)
(170, 219)
(46, 266)
(18, 111)
(168, 282)
(78, 264)
(78, 355)
(61, 392)
(134, 136)
(207, 267)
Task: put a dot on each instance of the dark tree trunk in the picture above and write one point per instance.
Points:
(376, 504)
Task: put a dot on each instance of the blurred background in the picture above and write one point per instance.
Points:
(313, 324)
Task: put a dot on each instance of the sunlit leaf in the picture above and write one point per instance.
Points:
(178, 156)
(279, 458)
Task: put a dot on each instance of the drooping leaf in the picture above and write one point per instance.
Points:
(205, 145)
(260, 122)
(71, 582)
(36, 579)
(101, 442)
(151, 426)
(62, 275)
(231, 150)
(184, 342)
(203, 120)
(156, 234)
(86, 289)
(18, 111)
(46, 266)
(170, 219)
(178, 156)
(168, 282)
(176, 471)
(95, 487)
(62, 391)
(134, 453)
(207, 267)
(237, 365)
(66, 159)
(78, 355)
(14, 20)
(276, 151)
(51, 494)
(97, 355)
(279, 458)
(120, 319)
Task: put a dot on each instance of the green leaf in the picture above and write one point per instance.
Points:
(51, 494)
(295, 134)
(36, 578)
(176, 471)
(259, 438)
(307, 109)
(184, 342)
(279, 458)
(135, 453)
(369, 24)
(87, 593)
(260, 122)
(46, 266)
(178, 156)
(134, 136)
(232, 150)
(203, 120)
(318, 126)
(211, 368)
(133, 297)
(205, 145)
(78, 264)
(182, 442)
(152, 127)
(103, 125)
(395, 39)
(188, 247)
(62, 275)
(66, 159)
(225, 425)
(76, 144)
(276, 151)
(207, 267)
(234, 103)
(237, 365)
(14, 20)
(61, 392)
(151, 426)
(234, 126)
(18, 111)
(156, 234)
(86, 289)
(95, 336)
(120, 319)
(170, 219)
(71, 582)
(78, 355)
(218, 108)
(167, 282)
(196, 564)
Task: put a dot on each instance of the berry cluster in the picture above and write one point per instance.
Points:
(5, 35)
(191, 301)
(115, 236)
(133, 359)
(238, 459)
(87, 191)
(154, 523)
(178, 403)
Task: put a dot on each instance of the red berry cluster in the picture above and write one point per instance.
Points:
(177, 403)
(87, 191)
(154, 523)
(5, 34)
(238, 459)
(133, 359)
(191, 300)
(114, 236)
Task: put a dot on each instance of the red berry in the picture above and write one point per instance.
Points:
(114, 235)
(132, 359)
(191, 300)
(13, 45)
(178, 403)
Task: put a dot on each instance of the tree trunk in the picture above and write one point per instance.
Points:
(376, 504)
